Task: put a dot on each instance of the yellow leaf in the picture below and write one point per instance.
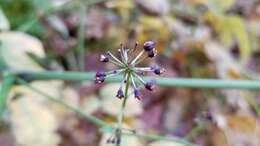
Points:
(230, 29)
(153, 28)
(221, 5)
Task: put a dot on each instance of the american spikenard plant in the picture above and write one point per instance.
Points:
(132, 75)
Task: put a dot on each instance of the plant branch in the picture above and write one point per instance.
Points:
(162, 81)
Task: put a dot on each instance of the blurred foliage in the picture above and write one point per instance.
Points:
(195, 38)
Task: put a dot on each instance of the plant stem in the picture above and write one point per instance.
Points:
(7, 84)
(162, 81)
(81, 36)
(121, 114)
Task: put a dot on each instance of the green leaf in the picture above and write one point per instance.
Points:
(4, 91)
(4, 23)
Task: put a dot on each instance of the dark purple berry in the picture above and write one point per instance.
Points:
(100, 77)
(137, 94)
(104, 58)
(157, 70)
(120, 93)
(150, 85)
(149, 45)
(100, 74)
(152, 53)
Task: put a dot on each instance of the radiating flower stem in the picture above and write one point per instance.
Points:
(121, 114)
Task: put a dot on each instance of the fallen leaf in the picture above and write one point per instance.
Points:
(165, 143)
(112, 105)
(156, 7)
(14, 48)
(33, 122)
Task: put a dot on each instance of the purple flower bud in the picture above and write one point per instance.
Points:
(152, 53)
(157, 70)
(118, 141)
(100, 77)
(149, 45)
(150, 85)
(137, 94)
(120, 93)
(100, 74)
(104, 58)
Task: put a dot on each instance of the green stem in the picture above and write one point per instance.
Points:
(7, 84)
(121, 115)
(81, 37)
(162, 81)
(91, 118)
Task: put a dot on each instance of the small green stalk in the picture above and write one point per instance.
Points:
(121, 115)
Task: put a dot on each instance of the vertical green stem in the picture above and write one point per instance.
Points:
(121, 115)
(81, 37)
(7, 84)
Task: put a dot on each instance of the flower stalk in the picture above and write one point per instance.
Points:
(121, 114)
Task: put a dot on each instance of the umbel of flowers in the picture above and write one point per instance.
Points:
(127, 65)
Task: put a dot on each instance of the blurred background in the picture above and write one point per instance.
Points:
(195, 39)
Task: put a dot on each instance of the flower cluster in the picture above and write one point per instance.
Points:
(127, 65)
